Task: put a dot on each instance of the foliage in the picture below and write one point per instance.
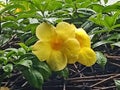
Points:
(101, 59)
(117, 83)
(20, 18)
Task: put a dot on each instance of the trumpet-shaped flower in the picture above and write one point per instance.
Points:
(56, 45)
(63, 44)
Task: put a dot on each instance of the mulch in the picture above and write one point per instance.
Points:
(80, 78)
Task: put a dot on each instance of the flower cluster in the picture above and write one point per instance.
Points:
(62, 45)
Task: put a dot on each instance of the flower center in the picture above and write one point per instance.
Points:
(56, 43)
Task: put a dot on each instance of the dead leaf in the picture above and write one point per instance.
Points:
(4, 88)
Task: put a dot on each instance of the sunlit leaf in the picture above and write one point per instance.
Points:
(26, 48)
(113, 7)
(97, 7)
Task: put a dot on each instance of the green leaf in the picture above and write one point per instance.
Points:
(114, 37)
(31, 41)
(8, 68)
(64, 73)
(105, 1)
(110, 8)
(53, 5)
(3, 60)
(101, 43)
(115, 26)
(68, 1)
(117, 84)
(101, 59)
(28, 56)
(26, 48)
(11, 52)
(43, 68)
(25, 36)
(34, 77)
(11, 7)
(97, 19)
(116, 44)
(39, 4)
(109, 20)
(87, 25)
(29, 14)
(21, 51)
(10, 24)
(97, 7)
(26, 63)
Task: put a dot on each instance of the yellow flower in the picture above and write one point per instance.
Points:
(56, 45)
(62, 45)
(87, 56)
(18, 10)
(83, 38)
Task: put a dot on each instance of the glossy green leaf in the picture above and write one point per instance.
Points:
(31, 41)
(44, 69)
(28, 56)
(34, 77)
(101, 43)
(26, 63)
(11, 52)
(101, 59)
(116, 44)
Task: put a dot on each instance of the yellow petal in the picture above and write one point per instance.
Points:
(42, 50)
(83, 38)
(65, 30)
(87, 57)
(57, 60)
(45, 31)
(71, 48)
(72, 60)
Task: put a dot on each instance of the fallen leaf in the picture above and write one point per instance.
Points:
(4, 88)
